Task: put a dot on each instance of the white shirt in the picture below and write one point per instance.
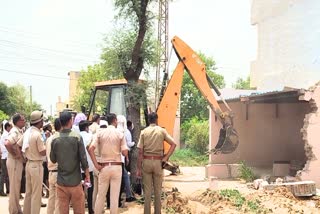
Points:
(87, 138)
(4, 150)
(129, 142)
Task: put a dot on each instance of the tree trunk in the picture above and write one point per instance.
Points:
(134, 116)
(132, 76)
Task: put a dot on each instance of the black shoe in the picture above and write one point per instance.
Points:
(3, 194)
(43, 204)
(131, 199)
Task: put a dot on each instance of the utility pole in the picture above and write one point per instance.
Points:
(163, 34)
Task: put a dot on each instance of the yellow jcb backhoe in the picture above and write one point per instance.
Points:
(168, 104)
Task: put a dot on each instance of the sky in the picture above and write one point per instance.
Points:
(42, 40)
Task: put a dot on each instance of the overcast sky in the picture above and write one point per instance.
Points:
(42, 40)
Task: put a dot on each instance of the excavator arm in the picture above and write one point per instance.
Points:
(190, 61)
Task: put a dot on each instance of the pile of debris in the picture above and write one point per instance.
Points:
(175, 203)
(297, 188)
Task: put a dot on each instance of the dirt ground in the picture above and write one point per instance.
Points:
(188, 193)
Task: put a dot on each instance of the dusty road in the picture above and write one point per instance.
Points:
(192, 197)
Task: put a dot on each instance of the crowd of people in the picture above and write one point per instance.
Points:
(79, 159)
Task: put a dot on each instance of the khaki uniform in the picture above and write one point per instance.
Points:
(95, 171)
(151, 142)
(15, 167)
(110, 142)
(94, 127)
(34, 172)
(53, 202)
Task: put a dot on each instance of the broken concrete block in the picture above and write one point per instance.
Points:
(279, 181)
(257, 182)
(263, 184)
(301, 188)
(288, 179)
(281, 168)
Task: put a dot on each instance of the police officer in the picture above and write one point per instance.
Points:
(151, 157)
(15, 162)
(111, 143)
(34, 150)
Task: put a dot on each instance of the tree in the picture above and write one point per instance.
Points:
(15, 99)
(193, 104)
(138, 14)
(3, 116)
(242, 83)
(97, 72)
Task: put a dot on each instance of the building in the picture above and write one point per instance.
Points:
(278, 134)
(288, 44)
(73, 84)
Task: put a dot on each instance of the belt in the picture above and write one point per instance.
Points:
(152, 157)
(110, 163)
(34, 160)
(53, 170)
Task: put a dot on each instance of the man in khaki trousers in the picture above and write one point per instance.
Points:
(34, 150)
(53, 202)
(150, 161)
(15, 162)
(111, 143)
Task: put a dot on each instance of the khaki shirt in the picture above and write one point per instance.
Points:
(15, 137)
(51, 166)
(110, 142)
(36, 145)
(94, 127)
(151, 140)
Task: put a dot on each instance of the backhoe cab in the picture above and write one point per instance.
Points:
(111, 95)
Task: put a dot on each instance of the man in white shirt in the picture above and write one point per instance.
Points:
(4, 155)
(87, 138)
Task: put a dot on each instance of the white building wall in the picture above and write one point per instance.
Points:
(288, 43)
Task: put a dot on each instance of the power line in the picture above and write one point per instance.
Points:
(34, 74)
(37, 35)
(21, 45)
(17, 55)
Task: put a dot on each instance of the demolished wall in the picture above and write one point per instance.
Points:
(311, 136)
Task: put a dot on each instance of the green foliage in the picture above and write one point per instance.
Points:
(3, 116)
(188, 157)
(246, 172)
(242, 83)
(192, 102)
(116, 55)
(133, 10)
(242, 203)
(86, 82)
(16, 99)
(234, 195)
(196, 135)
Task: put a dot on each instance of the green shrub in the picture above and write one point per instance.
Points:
(188, 157)
(234, 195)
(246, 172)
(196, 135)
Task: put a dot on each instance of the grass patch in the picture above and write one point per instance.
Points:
(188, 157)
(246, 172)
(242, 203)
(234, 195)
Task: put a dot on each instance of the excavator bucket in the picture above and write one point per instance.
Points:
(228, 141)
